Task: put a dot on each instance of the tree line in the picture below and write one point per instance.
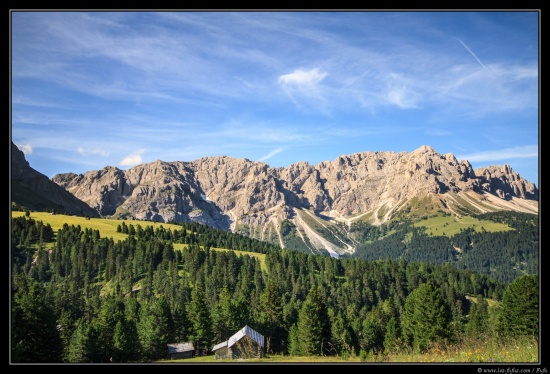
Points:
(502, 255)
(84, 298)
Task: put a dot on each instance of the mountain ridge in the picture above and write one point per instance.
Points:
(254, 199)
(34, 190)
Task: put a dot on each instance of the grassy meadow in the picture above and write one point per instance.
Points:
(448, 225)
(107, 228)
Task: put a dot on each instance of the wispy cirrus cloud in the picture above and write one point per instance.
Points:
(528, 151)
(182, 85)
(303, 86)
(92, 152)
(400, 93)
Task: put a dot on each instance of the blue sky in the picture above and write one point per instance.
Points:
(96, 89)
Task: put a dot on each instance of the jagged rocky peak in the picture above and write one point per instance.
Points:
(228, 192)
(505, 183)
(424, 149)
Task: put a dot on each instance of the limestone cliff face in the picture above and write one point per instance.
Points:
(359, 182)
(233, 194)
(505, 183)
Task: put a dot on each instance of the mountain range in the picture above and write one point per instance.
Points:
(318, 202)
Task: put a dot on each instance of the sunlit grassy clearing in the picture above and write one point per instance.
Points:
(492, 303)
(108, 228)
(450, 225)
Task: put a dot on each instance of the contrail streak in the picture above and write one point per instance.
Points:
(472, 53)
(271, 154)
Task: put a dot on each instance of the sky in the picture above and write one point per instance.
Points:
(96, 89)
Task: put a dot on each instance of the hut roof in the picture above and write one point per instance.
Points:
(180, 347)
(245, 331)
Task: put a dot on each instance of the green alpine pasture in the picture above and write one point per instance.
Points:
(448, 225)
(108, 228)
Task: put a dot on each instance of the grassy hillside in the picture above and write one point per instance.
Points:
(108, 228)
(449, 225)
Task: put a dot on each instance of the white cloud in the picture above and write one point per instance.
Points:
(25, 148)
(132, 159)
(302, 77)
(304, 89)
(528, 151)
(399, 93)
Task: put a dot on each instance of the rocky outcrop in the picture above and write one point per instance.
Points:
(505, 183)
(357, 183)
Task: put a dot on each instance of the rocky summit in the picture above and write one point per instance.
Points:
(254, 199)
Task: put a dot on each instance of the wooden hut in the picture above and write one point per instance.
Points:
(180, 350)
(245, 343)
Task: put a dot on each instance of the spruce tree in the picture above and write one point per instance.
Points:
(426, 317)
(520, 307)
(478, 322)
(201, 322)
(34, 334)
(313, 325)
(155, 329)
(270, 317)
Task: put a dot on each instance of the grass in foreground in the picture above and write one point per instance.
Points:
(471, 351)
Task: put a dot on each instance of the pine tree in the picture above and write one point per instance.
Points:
(372, 334)
(34, 334)
(270, 317)
(520, 307)
(223, 316)
(125, 342)
(392, 336)
(111, 312)
(83, 346)
(201, 322)
(426, 317)
(341, 335)
(478, 323)
(155, 329)
(294, 343)
(313, 325)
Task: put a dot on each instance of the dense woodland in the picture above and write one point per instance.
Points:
(78, 297)
(502, 255)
